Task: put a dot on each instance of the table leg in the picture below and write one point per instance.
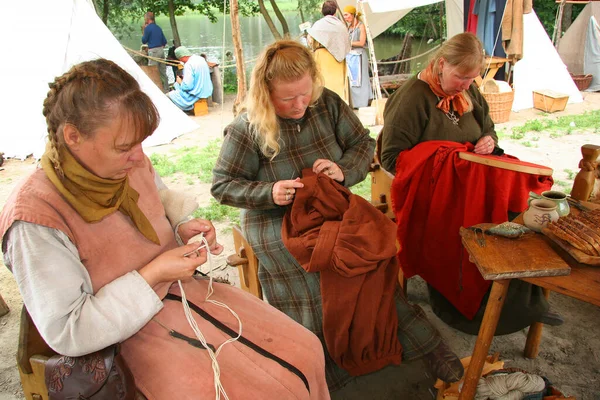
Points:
(534, 336)
(484, 338)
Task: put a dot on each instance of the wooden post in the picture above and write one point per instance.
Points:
(3, 307)
(534, 336)
(239, 55)
(557, 33)
(584, 181)
(484, 339)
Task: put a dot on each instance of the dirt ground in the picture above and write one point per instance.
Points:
(569, 354)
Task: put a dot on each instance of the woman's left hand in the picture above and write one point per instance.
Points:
(197, 226)
(485, 145)
(329, 168)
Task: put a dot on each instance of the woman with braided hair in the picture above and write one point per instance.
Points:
(96, 257)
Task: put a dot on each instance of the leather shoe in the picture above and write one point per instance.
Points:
(444, 364)
(551, 318)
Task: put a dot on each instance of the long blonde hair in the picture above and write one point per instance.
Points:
(463, 51)
(284, 60)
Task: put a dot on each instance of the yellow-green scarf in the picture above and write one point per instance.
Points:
(93, 197)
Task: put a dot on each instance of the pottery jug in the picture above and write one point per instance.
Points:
(539, 214)
(559, 198)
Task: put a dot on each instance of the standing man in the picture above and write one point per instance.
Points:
(196, 83)
(154, 37)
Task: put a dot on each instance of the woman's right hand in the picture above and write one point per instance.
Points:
(284, 191)
(173, 265)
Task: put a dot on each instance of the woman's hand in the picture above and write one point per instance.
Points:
(197, 226)
(285, 191)
(329, 168)
(179, 263)
(485, 145)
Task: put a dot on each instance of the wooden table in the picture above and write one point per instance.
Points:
(541, 262)
(492, 65)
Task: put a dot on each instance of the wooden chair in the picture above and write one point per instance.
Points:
(246, 262)
(32, 354)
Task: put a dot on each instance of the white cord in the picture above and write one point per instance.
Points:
(219, 389)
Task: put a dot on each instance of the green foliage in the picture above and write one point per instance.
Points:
(217, 212)
(420, 22)
(590, 120)
(194, 161)
(363, 188)
(547, 12)
(570, 173)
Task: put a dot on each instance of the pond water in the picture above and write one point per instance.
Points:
(201, 36)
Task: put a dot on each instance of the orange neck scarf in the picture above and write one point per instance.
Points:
(458, 101)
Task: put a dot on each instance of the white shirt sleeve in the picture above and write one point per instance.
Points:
(57, 291)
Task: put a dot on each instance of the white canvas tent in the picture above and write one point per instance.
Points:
(540, 68)
(46, 38)
(571, 46)
(381, 14)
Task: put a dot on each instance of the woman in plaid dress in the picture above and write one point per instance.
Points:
(291, 122)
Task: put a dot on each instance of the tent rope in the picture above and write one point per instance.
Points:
(160, 60)
(376, 85)
(410, 58)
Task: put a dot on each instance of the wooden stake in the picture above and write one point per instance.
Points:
(239, 55)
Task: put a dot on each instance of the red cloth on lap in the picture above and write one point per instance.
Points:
(434, 193)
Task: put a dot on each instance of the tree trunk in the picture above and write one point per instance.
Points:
(301, 13)
(442, 32)
(105, 12)
(174, 24)
(567, 18)
(281, 18)
(267, 17)
(239, 55)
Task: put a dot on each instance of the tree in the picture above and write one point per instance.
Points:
(269, 20)
(239, 55)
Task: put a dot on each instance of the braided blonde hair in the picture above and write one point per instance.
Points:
(88, 96)
(284, 60)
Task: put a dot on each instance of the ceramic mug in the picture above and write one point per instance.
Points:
(539, 214)
(559, 198)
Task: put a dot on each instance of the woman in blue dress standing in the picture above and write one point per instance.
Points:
(358, 59)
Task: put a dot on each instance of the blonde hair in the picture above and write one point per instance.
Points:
(90, 95)
(463, 51)
(287, 61)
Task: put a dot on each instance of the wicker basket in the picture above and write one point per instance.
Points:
(500, 105)
(582, 81)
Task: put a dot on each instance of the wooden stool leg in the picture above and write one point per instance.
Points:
(3, 307)
(534, 336)
(484, 338)
(403, 281)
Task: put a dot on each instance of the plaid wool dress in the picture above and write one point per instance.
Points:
(243, 177)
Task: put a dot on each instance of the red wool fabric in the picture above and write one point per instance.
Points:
(351, 243)
(434, 193)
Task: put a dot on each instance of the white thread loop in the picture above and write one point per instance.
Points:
(219, 389)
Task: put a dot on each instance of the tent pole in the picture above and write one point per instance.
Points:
(559, 23)
(376, 85)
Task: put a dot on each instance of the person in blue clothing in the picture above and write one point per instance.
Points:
(195, 84)
(154, 37)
